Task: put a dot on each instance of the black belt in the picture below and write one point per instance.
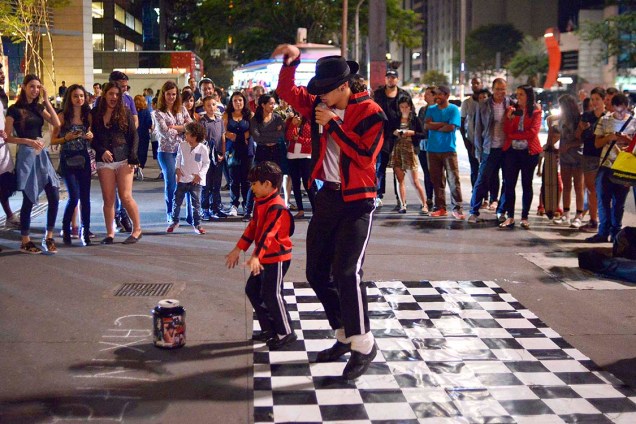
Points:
(330, 185)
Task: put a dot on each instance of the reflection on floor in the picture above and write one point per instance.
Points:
(449, 352)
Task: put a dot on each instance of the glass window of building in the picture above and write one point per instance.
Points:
(120, 14)
(98, 9)
(138, 27)
(98, 42)
(130, 21)
(120, 44)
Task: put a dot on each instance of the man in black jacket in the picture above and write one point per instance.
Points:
(387, 97)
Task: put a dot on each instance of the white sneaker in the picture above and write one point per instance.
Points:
(232, 211)
(378, 202)
(576, 223)
(562, 220)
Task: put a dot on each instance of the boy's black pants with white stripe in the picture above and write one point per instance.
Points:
(265, 292)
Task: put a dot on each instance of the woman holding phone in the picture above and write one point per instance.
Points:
(34, 170)
(74, 136)
(116, 142)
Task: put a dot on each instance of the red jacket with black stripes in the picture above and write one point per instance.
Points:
(270, 230)
(360, 136)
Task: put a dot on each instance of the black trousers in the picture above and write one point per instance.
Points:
(265, 292)
(337, 239)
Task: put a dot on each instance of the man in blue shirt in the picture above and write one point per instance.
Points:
(442, 120)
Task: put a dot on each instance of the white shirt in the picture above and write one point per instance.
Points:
(608, 124)
(331, 164)
(193, 161)
(498, 136)
(6, 162)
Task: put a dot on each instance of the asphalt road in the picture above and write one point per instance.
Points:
(72, 351)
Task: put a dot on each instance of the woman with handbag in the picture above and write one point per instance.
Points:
(239, 149)
(570, 161)
(74, 136)
(34, 170)
(613, 133)
(116, 142)
(404, 155)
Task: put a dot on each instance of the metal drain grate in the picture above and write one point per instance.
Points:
(141, 289)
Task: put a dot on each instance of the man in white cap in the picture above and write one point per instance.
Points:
(347, 135)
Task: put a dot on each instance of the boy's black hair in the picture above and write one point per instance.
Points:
(266, 171)
(196, 129)
(206, 99)
(620, 100)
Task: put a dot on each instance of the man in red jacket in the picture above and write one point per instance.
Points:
(347, 135)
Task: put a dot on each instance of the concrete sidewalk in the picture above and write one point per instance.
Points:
(72, 351)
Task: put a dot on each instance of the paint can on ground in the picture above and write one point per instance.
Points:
(168, 319)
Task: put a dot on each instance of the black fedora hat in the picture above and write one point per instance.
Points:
(331, 71)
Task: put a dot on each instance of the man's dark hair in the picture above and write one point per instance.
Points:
(612, 91)
(196, 129)
(97, 84)
(620, 100)
(600, 91)
(357, 84)
(117, 76)
(266, 171)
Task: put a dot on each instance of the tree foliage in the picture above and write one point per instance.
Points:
(434, 77)
(28, 21)
(251, 29)
(618, 35)
(483, 44)
(531, 59)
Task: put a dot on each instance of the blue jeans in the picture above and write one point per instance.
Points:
(611, 203)
(194, 191)
(515, 162)
(211, 192)
(488, 171)
(78, 184)
(239, 186)
(53, 199)
(167, 162)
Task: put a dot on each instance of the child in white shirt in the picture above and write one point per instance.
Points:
(193, 161)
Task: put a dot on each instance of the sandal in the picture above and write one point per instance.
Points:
(31, 248)
(525, 224)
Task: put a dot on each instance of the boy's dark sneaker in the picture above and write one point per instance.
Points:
(334, 352)
(358, 363)
(262, 336)
(206, 216)
(30, 248)
(220, 214)
(275, 343)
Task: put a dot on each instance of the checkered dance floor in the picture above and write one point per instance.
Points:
(449, 352)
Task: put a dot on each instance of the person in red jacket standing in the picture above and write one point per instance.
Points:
(270, 230)
(347, 135)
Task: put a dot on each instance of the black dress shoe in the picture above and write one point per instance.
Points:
(107, 240)
(334, 352)
(596, 238)
(132, 239)
(262, 336)
(358, 363)
(275, 343)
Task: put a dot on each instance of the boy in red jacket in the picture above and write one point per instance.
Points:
(270, 229)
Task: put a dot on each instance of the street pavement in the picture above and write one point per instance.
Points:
(74, 352)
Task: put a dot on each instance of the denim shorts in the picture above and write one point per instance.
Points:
(570, 159)
(112, 165)
(590, 163)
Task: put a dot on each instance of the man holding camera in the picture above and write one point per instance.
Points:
(442, 120)
(489, 140)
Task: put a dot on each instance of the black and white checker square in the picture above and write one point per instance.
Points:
(448, 352)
